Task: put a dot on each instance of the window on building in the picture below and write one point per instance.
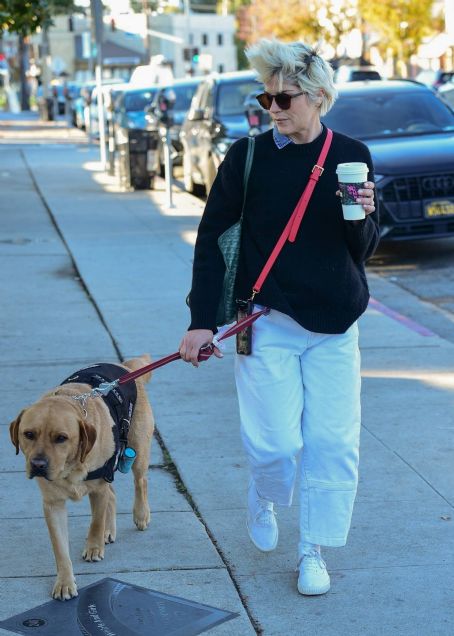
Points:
(205, 39)
(220, 39)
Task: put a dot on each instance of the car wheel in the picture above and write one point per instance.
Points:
(189, 185)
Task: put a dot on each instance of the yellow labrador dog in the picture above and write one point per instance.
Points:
(72, 447)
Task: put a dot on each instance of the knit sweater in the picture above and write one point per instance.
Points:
(319, 280)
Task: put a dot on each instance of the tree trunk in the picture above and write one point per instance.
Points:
(23, 66)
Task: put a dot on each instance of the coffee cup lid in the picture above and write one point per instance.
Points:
(352, 166)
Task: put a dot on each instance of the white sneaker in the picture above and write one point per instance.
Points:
(313, 577)
(261, 521)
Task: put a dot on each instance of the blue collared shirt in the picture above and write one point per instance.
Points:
(281, 140)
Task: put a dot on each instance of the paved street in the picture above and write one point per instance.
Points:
(91, 273)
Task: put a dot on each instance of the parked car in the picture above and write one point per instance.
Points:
(434, 79)
(107, 87)
(183, 91)
(80, 103)
(410, 133)
(215, 120)
(356, 74)
(131, 105)
(55, 102)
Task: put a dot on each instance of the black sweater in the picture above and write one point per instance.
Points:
(319, 280)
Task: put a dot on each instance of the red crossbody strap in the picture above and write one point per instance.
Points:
(292, 227)
(317, 172)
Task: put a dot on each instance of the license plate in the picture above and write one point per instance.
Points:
(438, 208)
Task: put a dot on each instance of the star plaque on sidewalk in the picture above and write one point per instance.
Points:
(113, 608)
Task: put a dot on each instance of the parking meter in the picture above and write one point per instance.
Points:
(258, 118)
(164, 112)
(164, 106)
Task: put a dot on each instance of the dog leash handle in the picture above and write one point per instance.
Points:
(204, 353)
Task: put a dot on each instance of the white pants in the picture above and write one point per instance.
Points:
(300, 391)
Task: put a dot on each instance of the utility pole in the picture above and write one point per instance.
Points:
(98, 33)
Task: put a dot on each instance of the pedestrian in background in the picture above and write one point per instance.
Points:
(299, 390)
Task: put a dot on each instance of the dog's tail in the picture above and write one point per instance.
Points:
(138, 363)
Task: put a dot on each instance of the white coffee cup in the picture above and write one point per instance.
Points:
(351, 177)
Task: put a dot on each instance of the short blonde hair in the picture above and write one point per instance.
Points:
(297, 63)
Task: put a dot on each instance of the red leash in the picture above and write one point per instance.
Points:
(204, 354)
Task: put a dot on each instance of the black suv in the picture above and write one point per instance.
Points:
(410, 133)
(215, 120)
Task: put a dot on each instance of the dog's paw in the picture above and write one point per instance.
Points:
(64, 589)
(109, 536)
(93, 553)
(142, 518)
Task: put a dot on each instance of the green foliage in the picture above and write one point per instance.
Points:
(25, 17)
(401, 23)
(313, 20)
(297, 21)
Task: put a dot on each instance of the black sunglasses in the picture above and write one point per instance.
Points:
(283, 100)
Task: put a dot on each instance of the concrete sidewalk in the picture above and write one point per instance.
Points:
(126, 296)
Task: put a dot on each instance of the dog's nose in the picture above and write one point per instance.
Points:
(39, 462)
(39, 466)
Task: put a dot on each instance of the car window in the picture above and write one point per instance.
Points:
(231, 96)
(358, 76)
(445, 77)
(389, 114)
(138, 101)
(183, 95)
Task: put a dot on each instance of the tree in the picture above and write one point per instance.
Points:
(401, 25)
(311, 20)
(290, 21)
(24, 18)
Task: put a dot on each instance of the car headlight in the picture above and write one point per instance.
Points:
(132, 123)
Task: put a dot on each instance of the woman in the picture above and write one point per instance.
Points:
(299, 391)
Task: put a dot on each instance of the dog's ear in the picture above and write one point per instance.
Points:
(87, 438)
(14, 431)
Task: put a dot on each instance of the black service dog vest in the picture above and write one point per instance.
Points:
(120, 401)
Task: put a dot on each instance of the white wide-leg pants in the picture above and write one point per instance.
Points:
(299, 392)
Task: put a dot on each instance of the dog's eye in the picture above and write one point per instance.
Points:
(29, 434)
(60, 439)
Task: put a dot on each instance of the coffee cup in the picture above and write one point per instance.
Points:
(351, 177)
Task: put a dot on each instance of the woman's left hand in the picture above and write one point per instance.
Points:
(366, 197)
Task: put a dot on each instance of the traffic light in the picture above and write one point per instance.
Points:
(191, 54)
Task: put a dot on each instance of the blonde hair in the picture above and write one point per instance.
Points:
(298, 64)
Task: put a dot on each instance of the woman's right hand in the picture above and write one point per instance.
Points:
(193, 341)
